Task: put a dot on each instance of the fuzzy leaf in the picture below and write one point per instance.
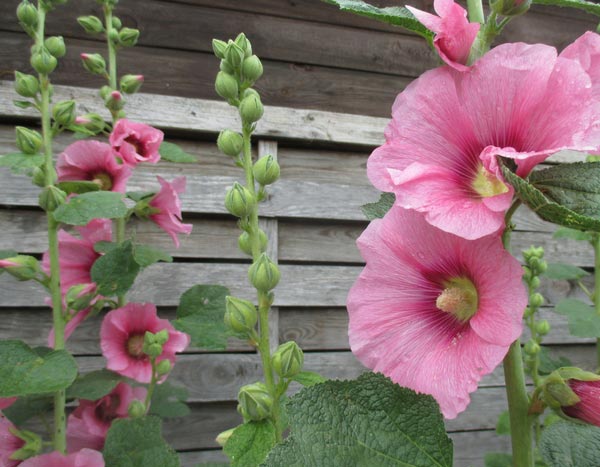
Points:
(25, 371)
(115, 272)
(168, 401)
(146, 255)
(565, 232)
(250, 443)
(397, 16)
(379, 208)
(23, 104)
(138, 443)
(309, 378)
(503, 423)
(200, 314)
(93, 386)
(566, 444)
(367, 421)
(561, 272)
(27, 407)
(21, 163)
(583, 320)
(78, 187)
(173, 153)
(498, 459)
(139, 195)
(548, 364)
(590, 7)
(81, 209)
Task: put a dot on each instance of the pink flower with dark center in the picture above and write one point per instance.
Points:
(519, 101)
(9, 443)
(454, 35)
(122, 340)
(6, 402)
(88, 424)
(93, 161)
(167, 207)
(83, 458)
(432, 311)
(136, 142)
(588, 408)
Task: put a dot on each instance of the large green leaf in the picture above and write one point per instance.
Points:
(92, 386)
(146, 255)
(78, 187)
(115, 272)
(364, 422)
(590, 7)
(168, 401)
(26, 407)
(250, 443)
(566, 444)
(81, 209)
(201, 314)
(138, 443)
(20, 163)
(25, 371)
(572, 234)
(498, 459)
(395, 15)
(583, 320)
(309, 378)
(549, 210)
(379, 208)
(563, 272)
(173, 153)
(548, 364)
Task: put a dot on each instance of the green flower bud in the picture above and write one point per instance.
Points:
(116, 23)
(77, 298)
(251, 109)
(527, 274)
(136, 409)
(161, 337)
(226, 86)
(234, 55)
(91, 24)
(226, 67)
(130, 84)
(230, 143)
(94, 63)
(38, 176)
(535, 282)
(536, 300)
(43, 61)
(528, 312)
(32, 446)
(532, 347)
(51, 197)
(28, 141)
(240, 315)
(239, 201)
(255, 402)
(219, 48)
(27, 14)
(92, 122)
(56, 46)
(542, 327)
(266, 170)
(246, 245)
(510, 7)
(22, 267)
(113, 36)
(153, 350)
(163, 367)
(243, 43)
(114, 101)
(533, 252)
(264, 274)
(224, 436)
(252, 68)
(128, 37)
(105, 91)
(288, 360)
(64, 113)
(26, 85)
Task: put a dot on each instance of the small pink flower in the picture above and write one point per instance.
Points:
(9, 443)
(83, 458)
(6, 402)
(136, 142)
(93, 161)
(454, 35)
(432, 311)
(88, 424)
(518, 101)
(122, 339)
(168, 206)
(588, 408)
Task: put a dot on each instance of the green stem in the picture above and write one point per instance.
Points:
(152, 385)
(475, 8)
(597, 287)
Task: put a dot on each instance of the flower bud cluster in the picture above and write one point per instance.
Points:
(510, 7)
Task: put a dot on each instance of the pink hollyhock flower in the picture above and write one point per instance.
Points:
(588, 407)
(518, 101)
(167, 208)
(6, 402)
(454, 35)
(83, 458)
(432, 311)
(9, 443)
(88, 424)
(93, 161)
(122, 340)
(136, 142)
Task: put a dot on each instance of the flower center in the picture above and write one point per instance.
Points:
(487, 184)
(106, 409)
(135, 346)
(137, 144)
(459, 298)
(103, 180)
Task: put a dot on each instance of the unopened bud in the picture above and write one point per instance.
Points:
(113, 36)
(255, 402)
(128, 37)
(264, 274)
(224, 436)
(528, 312)
(92, 122)
(94, 63)
(161, 337)
(64, 112)
(79, 297)
(532, 348)
(239, 201)
(27, 14)
(114, 101)
(536, 300)
(510, 7)
(266, 170)
(234, 55)
(533, 252)
(219, 48)
(246, 245)
(542, 327)
(21, 267)
(105, 91)
(154, 350)
(38, 176)
(535, 282)
(116, 23)
(26, 85)
(51, 197)
(252, 68)
(288, 360)
(43, 61)
(56, 46)
(243, 43)
(163, 367)
(136, 409)
(226, 67)
(130, 84)
(230, 143)
(28, 141)
(240, 315)
(226, 86)
(251, 109)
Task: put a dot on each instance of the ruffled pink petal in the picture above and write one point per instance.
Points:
(83, 458)
(169, 205)
(136, 142)
(588, 407)
(6, 402)
(9, 443)
(586, 51)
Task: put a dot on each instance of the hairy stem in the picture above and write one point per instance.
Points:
(475, 8)
(596, 299)
(151, 386)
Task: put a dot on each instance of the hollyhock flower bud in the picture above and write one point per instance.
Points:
(536, 300)
(130, 84)
(21, 267)
(114, 101)
(234, 55)
(83, 458)
(122, 340)
(28, 141)
(542, 327)
(219, 48)
(9, 443)
(240, 201)
(266, 170)
(561, 390)
(91, 24)
(226, 68)
(251, 109)
(64, 113)
(113, 36)
(128, 37)
(56, 46)
(246, 246)
(163, 368)
(136, 142)
(27, 14)
(240, 315)
(510, 7)
(255, 402)
(116, 23)
(166, 207)
(532, 348)
(230, 143)
(288, 360)
(94, 63)
(51, 197)
(226, 86)
(80, 297)
(137, 409)
(252, 68)
(92, 122)
(43, 61)
(264, 274)
(243, 43)
(26, 85)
